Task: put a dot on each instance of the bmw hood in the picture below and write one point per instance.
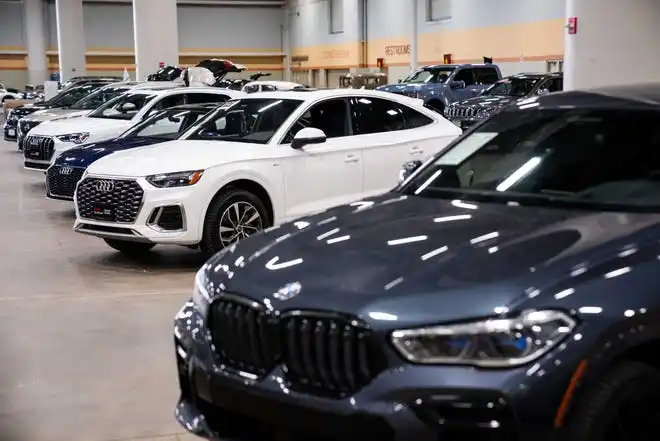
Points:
(174, 156)
(82, 124)
(420, 260)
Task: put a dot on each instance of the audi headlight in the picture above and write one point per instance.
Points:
(201, 297)
(178, 179)
(76, 138)
(494, 343)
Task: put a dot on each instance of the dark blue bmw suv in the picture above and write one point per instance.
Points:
(67, 169)
(507, 289)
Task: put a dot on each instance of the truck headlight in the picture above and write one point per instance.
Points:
(76, 138)
(494, 343)
(201, 297)
(177, 179)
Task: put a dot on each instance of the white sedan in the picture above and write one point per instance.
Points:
(256, 162)
(45, 142)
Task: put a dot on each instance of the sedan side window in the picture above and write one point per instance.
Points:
(375, 115)
(203, 98)
(331, 116)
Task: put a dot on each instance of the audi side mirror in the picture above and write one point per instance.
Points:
(306, 136)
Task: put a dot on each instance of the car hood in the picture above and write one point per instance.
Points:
(407, 87)
(173, 156)
(78, 125)
(55, 114)
(487, 101)
(27, 109)
(86, 154)
(419, 260)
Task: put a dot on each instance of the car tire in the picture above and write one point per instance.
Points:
(597, 411)
(218, 214)
(129, 247)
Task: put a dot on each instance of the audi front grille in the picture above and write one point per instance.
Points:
(320, 353)
(38, 148)
(110, 200)
(61, 180)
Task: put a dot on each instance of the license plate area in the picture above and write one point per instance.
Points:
(11, 132)
(103, 212)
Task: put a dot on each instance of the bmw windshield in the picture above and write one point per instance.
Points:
(99, 97)
(580, 158)
(124, 107)
(245, 120)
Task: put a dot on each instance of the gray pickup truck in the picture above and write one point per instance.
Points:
(440, 85)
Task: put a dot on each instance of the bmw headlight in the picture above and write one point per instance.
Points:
(76, 138)
(201, 297)
(178, 179)
(494, 343)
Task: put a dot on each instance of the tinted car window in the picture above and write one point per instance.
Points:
(168, 124)
(331, 116)
(123, 107)
(99, 97)
(167, 102)
(201, 98)
(437, 75)
(245, 120)
(466, 75)
(600, 159)
(415, 119)
(71, 96)
(375, 115)
(486, 75)
(515, 87)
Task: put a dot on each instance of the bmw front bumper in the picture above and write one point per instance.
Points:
(406, 402)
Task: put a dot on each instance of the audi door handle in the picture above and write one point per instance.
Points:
(416, 151)
(351, 158)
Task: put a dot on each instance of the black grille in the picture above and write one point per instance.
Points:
(38, 148)
(460, 112)
(168, 218)
(322, 354)
(61, 180)
(328, 353)
(245, 336)
(112, 200)
(25, 125)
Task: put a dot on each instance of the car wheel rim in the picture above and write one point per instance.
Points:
(634, 418)
(238, 221)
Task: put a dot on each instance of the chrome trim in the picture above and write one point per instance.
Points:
(154, 225)
(135, 237)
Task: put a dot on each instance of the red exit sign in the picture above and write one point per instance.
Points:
(572, 25)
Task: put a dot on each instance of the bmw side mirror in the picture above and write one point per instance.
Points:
(306, 136)
(408, 169)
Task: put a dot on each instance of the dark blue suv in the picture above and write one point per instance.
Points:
(507, 289)
(67, 169)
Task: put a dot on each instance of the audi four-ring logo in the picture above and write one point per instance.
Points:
(105, 186)
(66, 170)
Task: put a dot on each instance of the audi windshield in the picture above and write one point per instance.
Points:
(123, 107)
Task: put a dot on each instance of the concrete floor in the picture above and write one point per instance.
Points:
(85, 334)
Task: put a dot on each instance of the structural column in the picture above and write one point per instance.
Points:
(156, 35)
(35, 34)
(70, 38)
(610, 42)
(414, 33)
(286, 42)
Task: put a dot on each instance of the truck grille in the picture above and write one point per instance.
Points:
(61, 180)
(244, 335)
(321, 353)
(461, 112)
(111, 200)
(38, 148)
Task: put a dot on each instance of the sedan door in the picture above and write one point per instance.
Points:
(324, 175)
(387, 133)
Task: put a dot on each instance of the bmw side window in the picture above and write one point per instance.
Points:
(331, 116)
(466, 75)
(375, 115)
(415, 119)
